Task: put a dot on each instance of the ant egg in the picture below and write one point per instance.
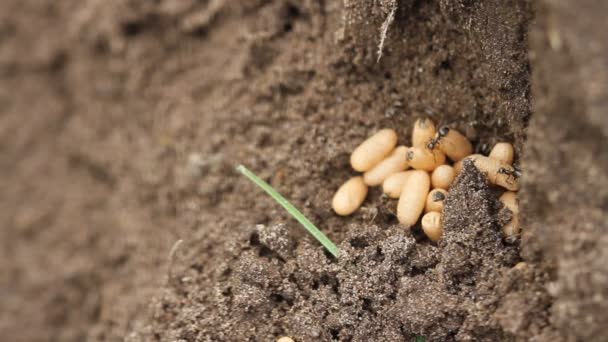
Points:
(521, 266)
(434, 200)
(413, 197)
(458, 166)
(349, 196)
(393, 185)
(455, 145)
(497, 173)
(432, 225)
(424, 130)
(442, 176)
(509, 200)
(373, 150)
(503, 152)
(285, 339)
(394, 163)
(421, 158)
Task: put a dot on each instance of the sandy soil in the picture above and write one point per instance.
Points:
(121, 124)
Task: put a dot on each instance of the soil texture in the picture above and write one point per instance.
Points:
(123, 218)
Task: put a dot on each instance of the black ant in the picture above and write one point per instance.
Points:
(512, 174)
(438, 196)
(443, 131)
(483, 148)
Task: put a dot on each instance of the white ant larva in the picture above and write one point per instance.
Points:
(373, 150)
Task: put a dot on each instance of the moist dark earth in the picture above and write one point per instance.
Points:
(121, 124)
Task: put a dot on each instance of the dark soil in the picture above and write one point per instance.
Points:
(121, 124)
(387, 284)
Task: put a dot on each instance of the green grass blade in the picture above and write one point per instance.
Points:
(310, 227)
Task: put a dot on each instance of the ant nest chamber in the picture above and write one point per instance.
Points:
(420, 175)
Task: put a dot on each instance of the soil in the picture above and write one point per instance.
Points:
(121, 124)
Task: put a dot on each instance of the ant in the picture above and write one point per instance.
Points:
(438, 196)
(511, 173)
(443, 131)
(483, 148)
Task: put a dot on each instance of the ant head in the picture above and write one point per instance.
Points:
(430, 145)
(409, 155)
(438, 196)
(483, 148)
(444, 130)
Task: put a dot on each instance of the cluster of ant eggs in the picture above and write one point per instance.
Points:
(424, 188)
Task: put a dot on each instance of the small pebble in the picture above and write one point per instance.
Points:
(285, 339)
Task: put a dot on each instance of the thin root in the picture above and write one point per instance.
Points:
(171, 257)
(384, 29)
